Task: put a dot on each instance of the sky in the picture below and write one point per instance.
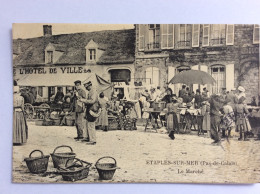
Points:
(22, 30)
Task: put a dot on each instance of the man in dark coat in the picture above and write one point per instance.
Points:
(182, 91)
(216, 103)
(59, 95)
(198, 99)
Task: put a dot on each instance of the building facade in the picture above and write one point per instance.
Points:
(230, 53)
(52, 61)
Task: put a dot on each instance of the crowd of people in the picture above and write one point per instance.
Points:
(218, 113)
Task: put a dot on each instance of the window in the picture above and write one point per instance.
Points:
(195, 35)
(218, 34)
(120, 75)
(141, 36)
(154, 37)
(256, 34)
(152, 75)
(92, 54)
(205, 36)
(49, 56)
(185, 35)
(218, 73)
(230, 34)
(167, 35)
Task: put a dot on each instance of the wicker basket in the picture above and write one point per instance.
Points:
(56, 121)
(112, 123)
(37, 164)
(106, 170)
(77, 171)
(61, 159)
(70, 121)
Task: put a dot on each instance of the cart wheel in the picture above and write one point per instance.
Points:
(28, 110)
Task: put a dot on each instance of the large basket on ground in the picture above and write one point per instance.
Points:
(62, 159)
(106, 170)
(112, 123)
(56, 121)
(37, 164)
(78, 170)
(70, 121)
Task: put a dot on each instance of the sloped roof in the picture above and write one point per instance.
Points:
(118, 46)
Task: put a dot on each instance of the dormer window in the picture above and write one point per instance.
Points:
(92, 54)
(49, 56)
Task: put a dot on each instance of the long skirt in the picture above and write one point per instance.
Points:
(243, 124)
(206, 122)
(102, 119)
(172, 122)
(214, 130)
(20, 129)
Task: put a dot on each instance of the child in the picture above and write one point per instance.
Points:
(172, 120)
(228, 121)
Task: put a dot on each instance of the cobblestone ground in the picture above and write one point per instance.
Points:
(145, 156)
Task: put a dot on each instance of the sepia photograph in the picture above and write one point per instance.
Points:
(136, 103)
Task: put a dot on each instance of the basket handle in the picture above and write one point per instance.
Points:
(36, 151)
(71, 150)
(106, 157)
(77, 160)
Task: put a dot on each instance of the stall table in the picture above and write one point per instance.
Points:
(150, 117)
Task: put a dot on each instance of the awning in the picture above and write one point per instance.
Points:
(48, 80)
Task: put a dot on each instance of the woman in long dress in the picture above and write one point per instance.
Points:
(102, 120)
(172, 120)
(20, 129)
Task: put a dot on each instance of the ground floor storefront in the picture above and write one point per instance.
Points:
(145, 156)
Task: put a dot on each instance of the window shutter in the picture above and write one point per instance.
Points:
(164, 36)
(230, 77)
(256, 34)
(195, 35)
(230, 34)
(170, 36)
(177, 34)
(141, 36)
(148, 75)
(156, 76)
(195, 86)
(205, 37)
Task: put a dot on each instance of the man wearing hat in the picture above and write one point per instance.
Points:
(93, 110)
(79, 108)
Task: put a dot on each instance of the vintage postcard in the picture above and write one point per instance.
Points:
(132, 103)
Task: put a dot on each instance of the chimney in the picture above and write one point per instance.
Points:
(47, 30)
